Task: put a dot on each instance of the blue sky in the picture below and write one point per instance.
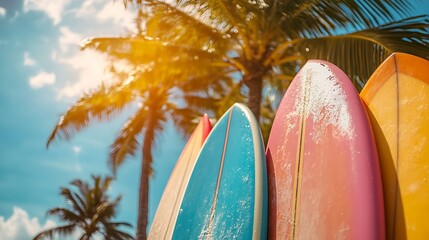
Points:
(42, 72)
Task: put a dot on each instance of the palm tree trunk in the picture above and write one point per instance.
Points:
(144, 184)
(143, 200)
(255, 95)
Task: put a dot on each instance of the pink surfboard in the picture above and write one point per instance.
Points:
(323, 171)
(168, 208)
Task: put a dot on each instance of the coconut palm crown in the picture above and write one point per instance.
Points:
(90, 212)
(265, 42)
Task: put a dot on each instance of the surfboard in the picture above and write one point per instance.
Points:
(323, 173)
(168, 207)
(226, 197)
(397, 96)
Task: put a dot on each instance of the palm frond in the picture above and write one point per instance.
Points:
(111, 231)
(83, 197)
(201, 103)
(117, 224)
(66, 215)
(103, 211)
(133, 2)
(83, 187)
(268, 111)
(106, 183)
(61, 230)
(228, 98)
(85, 236)
(211, 12)
(278, 83)
(126, 143)
(171, 23)
(359, 53)
(100, 104)
(88, 214)
(185, 119)
(77, 204)
(145, 50)
(148, 119)
(315, 18)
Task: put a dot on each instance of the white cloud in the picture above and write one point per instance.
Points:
(41, 79)
(111, 11)
(54, 56)
(77, 149)
(20, 226)
(2, 12)
(68, 39)
(114, 11)
(28, 61)
(54, 9)
(88, 8)
(90, 66)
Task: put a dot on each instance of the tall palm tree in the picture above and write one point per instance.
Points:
(159, 97)
(90, 212)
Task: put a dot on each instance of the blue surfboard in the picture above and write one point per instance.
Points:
(226, 197)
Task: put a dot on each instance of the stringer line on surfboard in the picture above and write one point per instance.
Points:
(299, 159)
(213, 208)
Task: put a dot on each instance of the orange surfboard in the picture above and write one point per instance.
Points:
(397, 96)
(168, 209)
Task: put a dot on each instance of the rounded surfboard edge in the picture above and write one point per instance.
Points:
(226, 197)
(168, 208)
(397, 98)
(323, 173)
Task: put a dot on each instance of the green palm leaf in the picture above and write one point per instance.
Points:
(368, 48)
(314, 18)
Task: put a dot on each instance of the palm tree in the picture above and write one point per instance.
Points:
(236, 51)
(90, 212)
(159, 96)
(264, 42)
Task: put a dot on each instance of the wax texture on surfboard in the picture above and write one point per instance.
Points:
(226, 197)
(397, 97)
(323, 173)
(168, 208)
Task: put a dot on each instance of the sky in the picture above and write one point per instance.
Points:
(42, 72)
